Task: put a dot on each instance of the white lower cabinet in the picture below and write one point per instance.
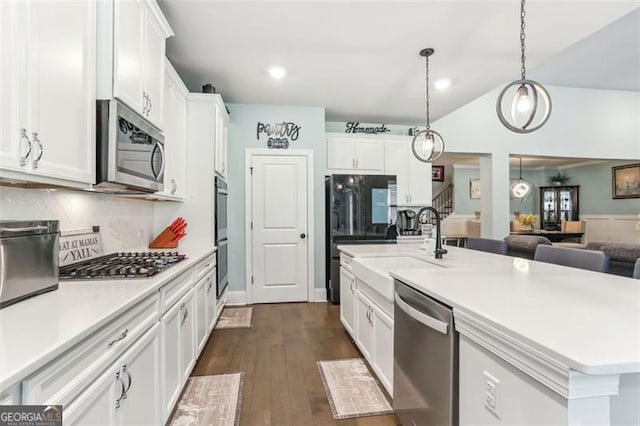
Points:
(201, 314)
(374, 337)
(178, 349)
(382, 347)
(211, 305)
(364, 332)
(347, 300)
(127, 393)
(188, 335)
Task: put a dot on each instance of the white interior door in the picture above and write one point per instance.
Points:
(279, 216)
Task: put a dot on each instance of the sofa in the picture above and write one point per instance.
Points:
(622, 256)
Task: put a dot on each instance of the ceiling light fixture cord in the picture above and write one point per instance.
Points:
(428, 126)
(522, 37)
(520, 168)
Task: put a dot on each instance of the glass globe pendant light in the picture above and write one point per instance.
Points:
(427, 144)
(531, 105)
(520, 188)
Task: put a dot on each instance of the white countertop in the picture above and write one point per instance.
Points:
(37, 330)
(588, 321)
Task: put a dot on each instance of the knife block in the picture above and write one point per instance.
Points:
(164, 240)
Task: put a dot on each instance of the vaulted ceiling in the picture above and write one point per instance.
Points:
(359, 59)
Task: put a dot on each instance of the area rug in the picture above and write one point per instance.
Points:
(235, 318)
(351, 390)
(210, 401)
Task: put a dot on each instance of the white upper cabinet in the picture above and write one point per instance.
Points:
(352, 154)
(128, 53)
(420, 185)
(154, 55)
(413, 176)
(132, 42)
(222, 127)
(175, 136)
(47, 91)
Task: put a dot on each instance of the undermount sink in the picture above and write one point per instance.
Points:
(374, 271)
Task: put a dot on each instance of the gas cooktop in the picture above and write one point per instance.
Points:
(121, 265)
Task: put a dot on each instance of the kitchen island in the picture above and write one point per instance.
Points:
(564, 343)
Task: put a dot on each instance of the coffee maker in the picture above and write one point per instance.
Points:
(407, 223)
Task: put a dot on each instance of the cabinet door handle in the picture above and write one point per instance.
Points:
(182, 316)
(210, 281)
(150, 104)
(129, 380)
(122, 335)
(24, 137)
(174, 187)
(40, 148)
(144, 103)
(122, 391)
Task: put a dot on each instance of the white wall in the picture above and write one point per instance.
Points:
(598, 124)
(242, 135)
(125, 224)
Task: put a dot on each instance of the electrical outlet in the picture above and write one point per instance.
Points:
(492, 394)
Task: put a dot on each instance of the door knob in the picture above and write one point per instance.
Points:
(303, 235)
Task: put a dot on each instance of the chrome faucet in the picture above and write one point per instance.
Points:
(439, 251)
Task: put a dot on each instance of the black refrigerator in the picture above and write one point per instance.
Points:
(359, 209)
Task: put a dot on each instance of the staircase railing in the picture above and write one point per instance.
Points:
(443, 201)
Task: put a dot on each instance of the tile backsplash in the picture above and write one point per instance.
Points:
(125, 224)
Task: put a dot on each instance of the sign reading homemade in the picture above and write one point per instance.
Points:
(282, 132)
(353, 127)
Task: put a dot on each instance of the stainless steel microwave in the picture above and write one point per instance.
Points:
(130, 151)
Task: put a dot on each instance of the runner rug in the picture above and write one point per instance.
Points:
(351, 390)
(235, 318)
(210, 401)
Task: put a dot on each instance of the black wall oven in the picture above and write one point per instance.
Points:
(221, 235)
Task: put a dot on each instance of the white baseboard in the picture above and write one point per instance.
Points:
(236, 298)
(320, 295)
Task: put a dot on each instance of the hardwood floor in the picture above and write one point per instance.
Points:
(278, 355)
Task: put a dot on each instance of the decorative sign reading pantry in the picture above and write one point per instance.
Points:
(353, 127)
(283, 131)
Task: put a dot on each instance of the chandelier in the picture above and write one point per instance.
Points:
(531, 105)
(427, 144)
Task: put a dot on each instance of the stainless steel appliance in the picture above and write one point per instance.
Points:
(121, 265)
(28, 259)
(407, 223)
(359, 210)
(425, 374)
(130, 151)
(222, 279)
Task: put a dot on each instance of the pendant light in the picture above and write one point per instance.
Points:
(521, 188)
(531, 105)
(427, 144)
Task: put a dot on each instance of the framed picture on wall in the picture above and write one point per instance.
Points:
(626, 181)
(437, 173)
(474, 189)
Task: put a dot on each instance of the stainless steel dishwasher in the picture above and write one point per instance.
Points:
(425, 371)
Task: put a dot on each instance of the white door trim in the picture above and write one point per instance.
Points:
(248, 236)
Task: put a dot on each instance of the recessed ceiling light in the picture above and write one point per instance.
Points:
(277, 72)
(442, 83)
